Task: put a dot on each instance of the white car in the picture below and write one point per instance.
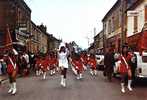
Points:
(141, 70)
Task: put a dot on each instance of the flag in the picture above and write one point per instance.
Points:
(8, 40)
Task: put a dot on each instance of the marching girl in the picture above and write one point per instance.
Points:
(92, 63)
(12, 70)
(63, 64)
(53, 63)
(78, 65)
(84, 59)
(44, 66)
(125, 68)
(38, 65)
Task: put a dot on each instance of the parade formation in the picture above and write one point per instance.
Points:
(35, 64)
(62, 60)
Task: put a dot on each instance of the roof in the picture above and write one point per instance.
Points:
(99, 33)
(118, 2)
(135, 4)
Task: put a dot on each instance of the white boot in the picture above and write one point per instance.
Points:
(37, 73)
(91, 72)
(95, 72)
(11, 88)
(51, 72)
(54, 71)
(14, 88)
(129, 85)
(81, 76)
(123, 88)
(44, 75)
(62, 80)
(78, 76)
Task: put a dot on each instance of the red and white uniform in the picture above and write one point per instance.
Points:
(44, 64)
(78, 65)
(11, 65)
(38, 63)
(53, 63)
(84, 59)
(92, 62)
(123, 66)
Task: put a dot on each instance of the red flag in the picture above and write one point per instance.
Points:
(8, 39)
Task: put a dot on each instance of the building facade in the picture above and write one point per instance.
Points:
(35, 40)
(17, 15)
(43, 38)
(112, 26)
(99, 42)
(53, 43)
(136, 21)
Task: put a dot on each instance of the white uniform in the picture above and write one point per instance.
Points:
(63, 62)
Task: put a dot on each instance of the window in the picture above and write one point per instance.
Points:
(145, 13)
(144, 59)
(109, 27)
(113, 28)
(135, 24)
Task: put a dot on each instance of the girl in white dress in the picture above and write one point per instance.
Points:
(63, 64)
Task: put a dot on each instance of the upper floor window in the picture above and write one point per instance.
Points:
(109, 27)
(146, 13)
(135, 24)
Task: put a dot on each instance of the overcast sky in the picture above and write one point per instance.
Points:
(71, 20)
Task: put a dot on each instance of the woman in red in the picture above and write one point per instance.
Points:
(84, 59)
(125, 69)
(78, 65)
(92, 62)
(53, 63)
(12, 71)
(38, 65)
(44, 66)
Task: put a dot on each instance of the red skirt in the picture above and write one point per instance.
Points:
(10, 69)
(123, 69)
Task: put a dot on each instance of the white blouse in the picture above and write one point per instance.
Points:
(63, 62)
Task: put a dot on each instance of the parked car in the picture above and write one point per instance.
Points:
(100, 62)
(141, 70)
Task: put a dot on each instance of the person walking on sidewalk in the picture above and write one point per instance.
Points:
(125, 68)
(109, 63)
(12, 71)
(63, 64)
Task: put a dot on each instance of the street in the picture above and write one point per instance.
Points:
(90, 88)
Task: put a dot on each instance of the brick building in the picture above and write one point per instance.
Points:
(17, 15)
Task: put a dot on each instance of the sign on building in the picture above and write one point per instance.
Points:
(132, 13)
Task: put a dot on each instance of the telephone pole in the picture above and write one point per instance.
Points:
(123, 21)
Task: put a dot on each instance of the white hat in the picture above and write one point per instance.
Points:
(62, 44)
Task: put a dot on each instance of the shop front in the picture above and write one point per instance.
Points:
(114, 42)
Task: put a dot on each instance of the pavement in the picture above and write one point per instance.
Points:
(89, 88)
(3, 78)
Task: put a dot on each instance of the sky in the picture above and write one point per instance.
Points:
(71, 20)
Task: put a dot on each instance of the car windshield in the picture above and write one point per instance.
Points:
(144, 59)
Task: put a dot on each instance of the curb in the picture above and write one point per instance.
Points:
(3, 80)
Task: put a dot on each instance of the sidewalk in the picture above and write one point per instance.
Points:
(3, 77)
